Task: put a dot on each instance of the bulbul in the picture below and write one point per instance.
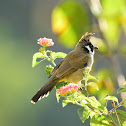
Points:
(71, 68)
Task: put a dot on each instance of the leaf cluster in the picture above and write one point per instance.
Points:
(91, 108)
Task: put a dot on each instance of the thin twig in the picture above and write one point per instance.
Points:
(116, 106)
(113, 105)
(112, 123)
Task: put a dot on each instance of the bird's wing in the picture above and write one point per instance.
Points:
(79, 62)
(55, 68)
(69, 66)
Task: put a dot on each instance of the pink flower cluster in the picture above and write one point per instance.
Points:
(45, 42)
(70, 88)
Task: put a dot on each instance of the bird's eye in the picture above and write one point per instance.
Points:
(89, 44)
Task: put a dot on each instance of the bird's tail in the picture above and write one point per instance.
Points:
(44, 91)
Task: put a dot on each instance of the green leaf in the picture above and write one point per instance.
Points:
(57, 96)
(70, 19)
(92, 113)
(65, 102)
(121, 90)
(103, 109)
(122, 117)
(83, 114)
(94, 85)
(90, 77)
(94, 102)
(60, 84)
(124, 105)
(100, 120)
(35, 57)
(82, 97)
(111, 98)
(84, 92)
(91, 101)
(58, 55)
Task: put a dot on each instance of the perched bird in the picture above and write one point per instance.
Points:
(71, 68)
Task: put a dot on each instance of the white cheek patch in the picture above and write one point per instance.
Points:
(89, 49)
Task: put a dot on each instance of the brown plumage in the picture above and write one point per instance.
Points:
(71, 68)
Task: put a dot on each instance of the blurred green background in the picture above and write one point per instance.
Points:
(22, 22)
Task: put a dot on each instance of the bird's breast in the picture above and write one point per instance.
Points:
(90, 61)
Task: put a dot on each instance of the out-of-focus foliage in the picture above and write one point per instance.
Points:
(110, 14)
(100, 44)
(111, 17)
(16, 79)
(69, 21)
(105, 84)
(123, 49)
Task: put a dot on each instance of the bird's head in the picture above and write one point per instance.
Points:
(85, 43)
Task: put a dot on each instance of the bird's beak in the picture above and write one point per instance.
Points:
(95, 47)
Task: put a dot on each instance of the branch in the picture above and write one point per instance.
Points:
(113, 105)
(117, 106)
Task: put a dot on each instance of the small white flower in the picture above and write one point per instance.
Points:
(84, 101)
